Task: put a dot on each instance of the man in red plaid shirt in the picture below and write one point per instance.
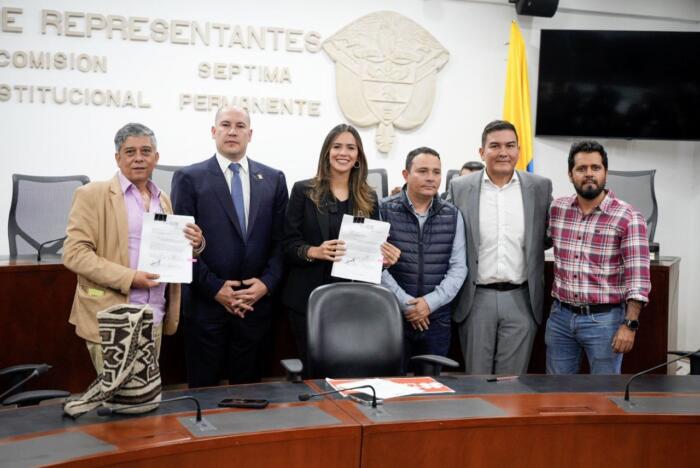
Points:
(601, 270)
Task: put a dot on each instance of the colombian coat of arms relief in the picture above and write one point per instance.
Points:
(386, 67)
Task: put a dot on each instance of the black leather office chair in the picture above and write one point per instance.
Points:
(450, 174)
(356, 330)
(16, 376)
(39, 213)
(378, 180)
(448, 178)
(162, 176)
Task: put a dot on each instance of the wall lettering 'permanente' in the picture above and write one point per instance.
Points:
(254, 105)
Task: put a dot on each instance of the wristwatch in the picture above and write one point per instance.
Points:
(632, 324)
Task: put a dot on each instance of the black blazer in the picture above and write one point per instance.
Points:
(305, 225)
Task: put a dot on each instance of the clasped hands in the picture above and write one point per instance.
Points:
(333, 250)
(417, 314)
(240, 301)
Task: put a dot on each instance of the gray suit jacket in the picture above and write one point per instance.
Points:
(464, 193)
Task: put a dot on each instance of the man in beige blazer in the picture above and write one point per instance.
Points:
(103, 236)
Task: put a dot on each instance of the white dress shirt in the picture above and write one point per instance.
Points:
(245, 179)
(501, 233)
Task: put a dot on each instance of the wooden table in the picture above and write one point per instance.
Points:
(544, 421)
(540, 431)
(35, 303)
(555, 421)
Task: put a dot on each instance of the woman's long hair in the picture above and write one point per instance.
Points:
(361, 193)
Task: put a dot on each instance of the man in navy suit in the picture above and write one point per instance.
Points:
(240, 206)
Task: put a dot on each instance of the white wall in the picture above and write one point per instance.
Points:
(50, 139)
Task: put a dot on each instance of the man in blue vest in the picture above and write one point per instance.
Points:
(432, 267)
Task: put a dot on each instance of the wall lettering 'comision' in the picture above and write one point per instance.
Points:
(42, 60)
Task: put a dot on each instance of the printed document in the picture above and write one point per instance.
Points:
(363, 257)
(164, 248)
(391, 387)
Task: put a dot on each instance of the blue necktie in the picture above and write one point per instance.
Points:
(237, 195)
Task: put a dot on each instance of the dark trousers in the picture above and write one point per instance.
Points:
(225, 346)
(435, 340)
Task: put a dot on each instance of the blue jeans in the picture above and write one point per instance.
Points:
(568, 333)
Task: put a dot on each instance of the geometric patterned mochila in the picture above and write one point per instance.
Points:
(131, 375)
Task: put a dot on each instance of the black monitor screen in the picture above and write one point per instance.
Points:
(619, 84)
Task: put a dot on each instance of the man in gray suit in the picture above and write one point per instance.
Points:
(505, 216)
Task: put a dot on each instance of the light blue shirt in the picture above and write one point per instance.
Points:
(454, 278)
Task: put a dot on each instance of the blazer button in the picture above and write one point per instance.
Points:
(477, 262)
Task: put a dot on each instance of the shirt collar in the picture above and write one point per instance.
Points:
(604, 206)
(514, 179)
(223, 163)
(125, 183)
(413, 208)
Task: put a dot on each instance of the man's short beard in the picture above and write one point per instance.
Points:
(589, 194)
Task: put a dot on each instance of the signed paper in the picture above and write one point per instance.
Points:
(391, 387)
(164, 248)
(363, 257)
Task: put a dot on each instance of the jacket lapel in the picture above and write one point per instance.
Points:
(220, 187)
(323, 221)
(165, 203)
(256, 183)
(119, 209)
(528, 194)
(473, 198)
(350, 207)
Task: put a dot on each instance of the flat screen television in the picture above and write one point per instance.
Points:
(619, 84)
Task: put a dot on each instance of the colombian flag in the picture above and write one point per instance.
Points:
(516, 106)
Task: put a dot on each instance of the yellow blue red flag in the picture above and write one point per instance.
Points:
(516, 106)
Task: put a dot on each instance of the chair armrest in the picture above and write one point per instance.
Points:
(20, 368)
(431, 364)
(294, 368)
(32, 397)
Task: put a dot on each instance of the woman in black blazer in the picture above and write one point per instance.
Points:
(314, 214)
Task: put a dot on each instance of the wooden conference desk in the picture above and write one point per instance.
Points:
(35, 302)
(320, 434)
(536, 421)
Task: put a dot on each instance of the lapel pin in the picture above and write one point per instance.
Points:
(259, 176)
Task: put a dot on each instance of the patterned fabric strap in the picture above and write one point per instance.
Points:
(131, 375)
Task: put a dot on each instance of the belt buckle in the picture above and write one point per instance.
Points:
(582, 309)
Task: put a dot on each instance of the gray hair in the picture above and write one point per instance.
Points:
(133, 129)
